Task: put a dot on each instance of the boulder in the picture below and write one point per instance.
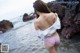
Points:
(5, 25)
(77, 22)
(69, 15)
(71, 23)
(57, 8)
(27, 17)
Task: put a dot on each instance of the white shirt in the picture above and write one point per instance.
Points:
(50, 30)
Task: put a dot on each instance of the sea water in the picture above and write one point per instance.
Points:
(22, 38)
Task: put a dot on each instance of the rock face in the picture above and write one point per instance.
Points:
(69, 15)
(5, 25)
(27, 17)
(57, 8)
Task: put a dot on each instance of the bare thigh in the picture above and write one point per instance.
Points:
(52, 49)
(52, 46)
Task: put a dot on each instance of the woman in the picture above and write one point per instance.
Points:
(47, 23)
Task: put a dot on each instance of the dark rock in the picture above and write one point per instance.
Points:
(77, 22)
(77, 19)
(57, 8)
(66, 32)
(77, 9)
(5, 25)
(69, 15)
(27, 17)
(68, 18)
(71, 25)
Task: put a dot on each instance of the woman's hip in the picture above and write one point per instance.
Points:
(54, 39)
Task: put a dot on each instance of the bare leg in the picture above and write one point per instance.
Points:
(52, 49)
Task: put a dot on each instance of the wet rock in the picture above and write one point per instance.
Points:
(68, 19)
(65, 23)
(27, 17)
(71, 23)
(5, 25)
(77, 22)
(77, 9)
(57, 8)
(69, 15)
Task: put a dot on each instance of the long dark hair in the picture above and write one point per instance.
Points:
(41, 7)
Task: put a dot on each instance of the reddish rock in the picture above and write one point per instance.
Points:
(69, 15)
(57, 8)
(27, 17)
(71, 23)
(5, 25)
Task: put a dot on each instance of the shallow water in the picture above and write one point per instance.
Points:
(23, 39)
(69, 46)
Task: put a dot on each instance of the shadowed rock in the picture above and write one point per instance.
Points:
(27, 17)
(57, 8)
(5, 25)
(69, 15)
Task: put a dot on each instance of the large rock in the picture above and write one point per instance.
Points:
(69, 15)
(5, 25)
(57, 8)
(71, 22)
(27, 17)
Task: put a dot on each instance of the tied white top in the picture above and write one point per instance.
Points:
(50, 30)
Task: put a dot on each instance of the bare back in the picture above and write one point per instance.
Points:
(46, 20)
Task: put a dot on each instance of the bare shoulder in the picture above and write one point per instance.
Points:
(36, 24)
(54, 15)
(36, 21)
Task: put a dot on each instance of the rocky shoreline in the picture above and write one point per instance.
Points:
(69, 14)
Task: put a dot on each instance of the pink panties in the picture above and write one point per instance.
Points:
(51, 41)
